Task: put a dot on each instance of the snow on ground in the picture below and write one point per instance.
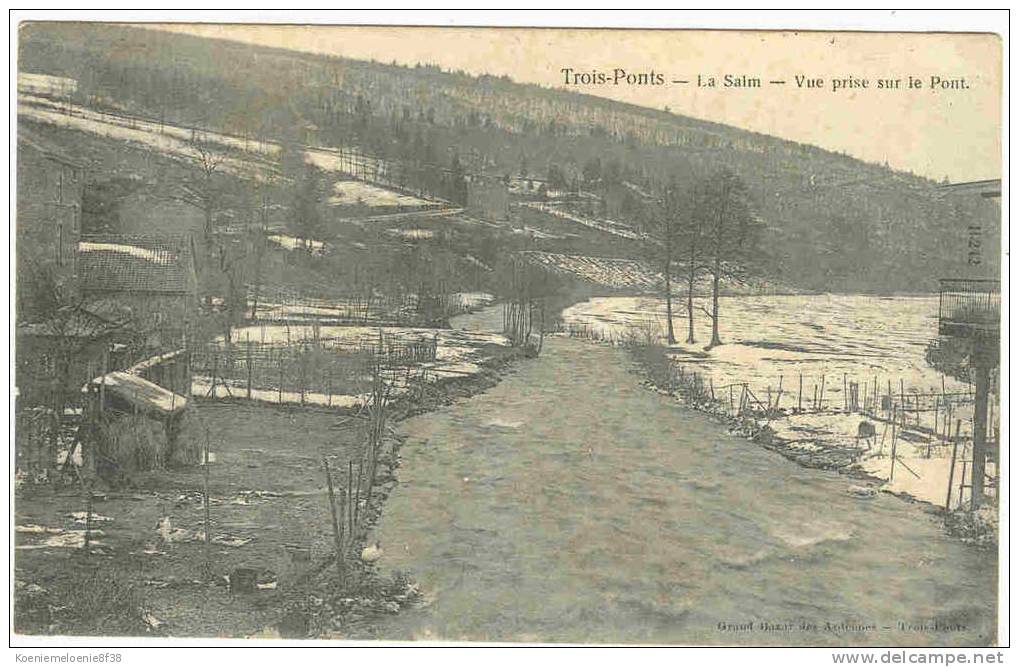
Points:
(333, 311)
(344, 160)
(352, 336)
(174, 142)
(458, 354)
(607, 271)
(201, 385)
(766, 338)
(474, 300)
(776, 338)
(358, 192)
(45, 84)
(294, 243)
(925, 478)
(536, 233)
(415, 234)
(603, 225)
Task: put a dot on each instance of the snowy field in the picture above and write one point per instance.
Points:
(241, 156)
(171, 141)
(294, 243)
(365, 194)
(766, 338)
(922, 462)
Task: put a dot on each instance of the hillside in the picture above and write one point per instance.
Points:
(834, 222)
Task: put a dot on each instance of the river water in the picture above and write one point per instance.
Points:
(569, 504)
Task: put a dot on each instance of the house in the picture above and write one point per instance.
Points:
(62, 351)
(488, 198)
(142, 211)
(148, 281)
(49, 194)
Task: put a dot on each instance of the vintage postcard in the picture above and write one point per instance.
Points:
(492, 334)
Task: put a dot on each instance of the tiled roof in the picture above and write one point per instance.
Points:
(135, 264)
(71, 322)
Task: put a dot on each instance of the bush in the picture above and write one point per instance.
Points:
(134, 442)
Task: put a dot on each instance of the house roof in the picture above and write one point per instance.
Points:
(147, 397)
(71, 322)
(135, 264)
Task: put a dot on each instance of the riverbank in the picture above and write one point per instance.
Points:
(829, 440)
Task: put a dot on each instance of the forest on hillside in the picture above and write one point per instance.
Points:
(831, 222)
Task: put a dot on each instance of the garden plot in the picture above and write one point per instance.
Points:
(602, 225)
(332, 365)
(609, 272)
(336, 310)
(358, 308)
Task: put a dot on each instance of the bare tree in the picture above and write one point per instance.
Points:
(731, 234)
(664, 222)
(201, 187)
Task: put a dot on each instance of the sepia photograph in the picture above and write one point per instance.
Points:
(518, 334)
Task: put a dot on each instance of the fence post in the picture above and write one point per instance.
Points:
(205, 502)
(951, 471)
(891, 471)
(215, 369)
(337, 530)
(248, 341)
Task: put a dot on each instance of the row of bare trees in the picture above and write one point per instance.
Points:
(706, 228)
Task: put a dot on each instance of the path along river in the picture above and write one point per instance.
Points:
(569, 504)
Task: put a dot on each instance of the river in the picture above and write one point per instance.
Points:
(569, 504)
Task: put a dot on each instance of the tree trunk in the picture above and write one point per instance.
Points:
(982, 389)
(691, 281)
(689, 306)
(208, 223)
(715, 340)
(668, 300)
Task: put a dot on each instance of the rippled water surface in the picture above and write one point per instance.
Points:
(568, 503)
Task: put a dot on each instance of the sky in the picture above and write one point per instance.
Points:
(938, 132)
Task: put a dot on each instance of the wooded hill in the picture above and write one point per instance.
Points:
(833, 222)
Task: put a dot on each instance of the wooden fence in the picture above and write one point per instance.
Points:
(303, 371)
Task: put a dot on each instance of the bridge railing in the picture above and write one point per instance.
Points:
(969, 307)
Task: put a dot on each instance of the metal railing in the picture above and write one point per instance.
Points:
(969, 306)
